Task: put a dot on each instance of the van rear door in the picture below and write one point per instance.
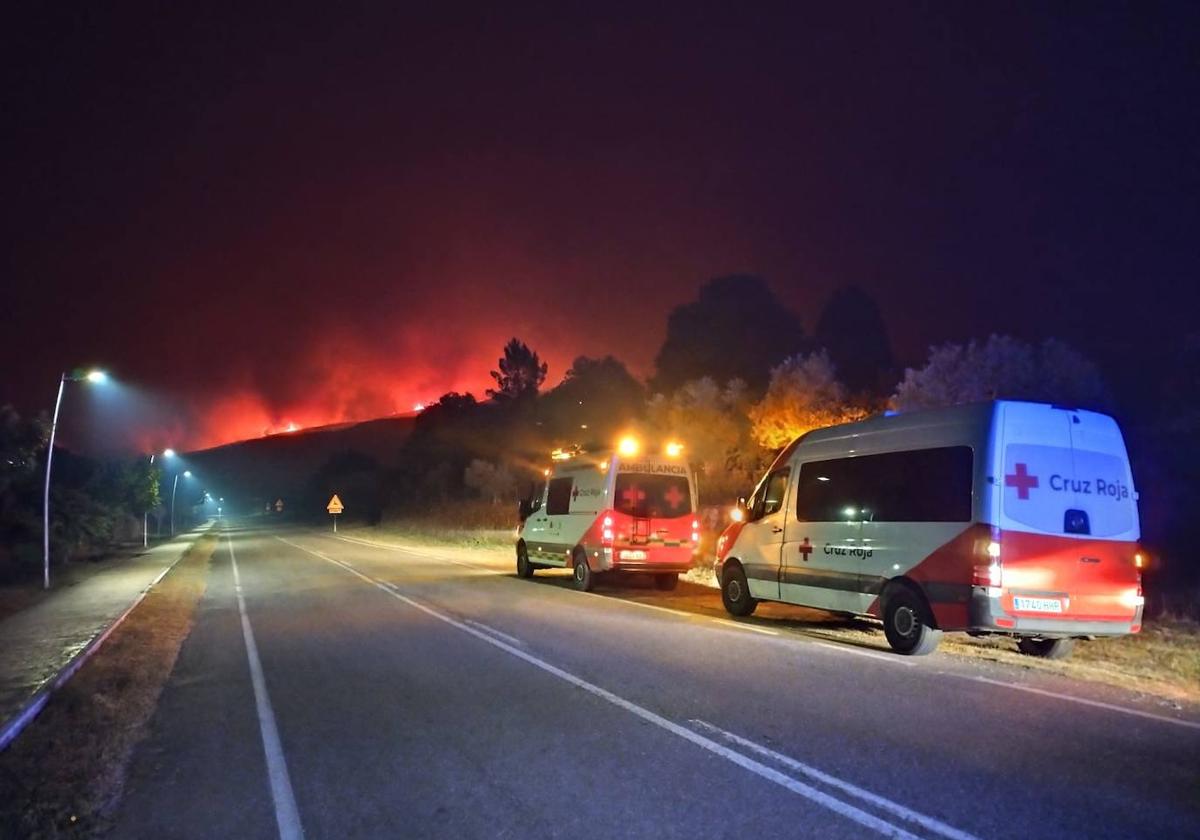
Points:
(1068, 515)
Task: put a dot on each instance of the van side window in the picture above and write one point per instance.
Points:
(923, 485)
(558, 496)
(770, 495)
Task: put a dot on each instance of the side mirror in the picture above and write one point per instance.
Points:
(740, 513)
(524, 508)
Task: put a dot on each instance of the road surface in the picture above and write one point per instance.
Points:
(351, 690)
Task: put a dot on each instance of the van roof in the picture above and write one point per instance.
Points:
(971, 414)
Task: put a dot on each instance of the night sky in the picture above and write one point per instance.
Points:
(262, 217)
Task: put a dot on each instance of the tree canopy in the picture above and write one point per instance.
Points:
(520, 375)
(1002, 367)
(851, 329)
(736, 329)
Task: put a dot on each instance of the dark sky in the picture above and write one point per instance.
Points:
(274, 216)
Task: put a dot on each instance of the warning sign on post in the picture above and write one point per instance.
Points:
(335, 507)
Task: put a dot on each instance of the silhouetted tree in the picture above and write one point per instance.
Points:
(852, 331)
(1002, 368)
(520, 375)
(595, 399)
(736, 329)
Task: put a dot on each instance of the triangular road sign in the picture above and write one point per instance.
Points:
(335, 505)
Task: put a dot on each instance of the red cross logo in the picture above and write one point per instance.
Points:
(805, 549)
(1022, 480)
(673, 497)
(633, 495)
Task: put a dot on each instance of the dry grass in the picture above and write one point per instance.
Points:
(64, 774)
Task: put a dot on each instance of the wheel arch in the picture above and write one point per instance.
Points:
(905, 582)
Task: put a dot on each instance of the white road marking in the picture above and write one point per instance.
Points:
(863, 818)
(739, 625)
(891, 659)
(287, 817)
(512, 640)
(843, 648)
(880, 802)
(1112, 707)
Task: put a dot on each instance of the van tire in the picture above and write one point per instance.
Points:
(585, 578)
(735, 591)
(1046, 648)
(524, 567)
(907, 622)
(666, 582)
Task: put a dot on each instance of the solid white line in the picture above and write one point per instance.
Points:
(874, 799)
(1112, 707)
(844, 809)
(891, 659)
(749, 627)
(287, 817)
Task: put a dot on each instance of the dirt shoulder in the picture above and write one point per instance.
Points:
(63, 776)
(1162, 661)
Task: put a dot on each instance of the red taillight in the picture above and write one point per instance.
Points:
(989, 575)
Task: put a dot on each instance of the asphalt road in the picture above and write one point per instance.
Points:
(361, 691)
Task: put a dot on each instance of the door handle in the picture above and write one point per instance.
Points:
(776, 530)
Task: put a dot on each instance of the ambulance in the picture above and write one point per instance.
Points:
(1009, 518)
(624, 510)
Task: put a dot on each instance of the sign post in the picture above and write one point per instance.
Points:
(335, 507)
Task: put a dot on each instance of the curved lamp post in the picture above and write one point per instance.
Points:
(174, 487)
(95, 377)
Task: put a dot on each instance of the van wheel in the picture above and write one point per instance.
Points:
(665, 582)
(524, 567)
(585, 579)
(908, 624)
(1046, 648)
(735, 591)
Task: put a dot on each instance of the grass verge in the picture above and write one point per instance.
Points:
(64, 775)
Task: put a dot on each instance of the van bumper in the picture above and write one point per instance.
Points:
(661, 560)
(986, 615)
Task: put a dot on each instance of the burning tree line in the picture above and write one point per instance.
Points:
(732, 396)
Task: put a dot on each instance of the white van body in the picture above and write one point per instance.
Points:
(613, 513)
(1005, 517)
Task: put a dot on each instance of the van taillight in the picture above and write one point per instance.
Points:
(991, 575)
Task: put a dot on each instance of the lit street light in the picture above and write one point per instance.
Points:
(174, 487)
(95, 377)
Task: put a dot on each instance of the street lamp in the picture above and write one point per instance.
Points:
(95, 377)
(166, 453)
(174, 486)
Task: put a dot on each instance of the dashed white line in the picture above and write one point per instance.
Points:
(880, 802)
(890, 659)
(287, 816)
(850, 812)
(512, 640)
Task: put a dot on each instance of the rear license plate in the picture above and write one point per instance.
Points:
(1053, 605)
(632, 555)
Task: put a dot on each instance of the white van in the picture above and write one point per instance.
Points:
(612, 512)
(1003, 517)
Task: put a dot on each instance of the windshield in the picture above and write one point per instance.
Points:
(652, 496)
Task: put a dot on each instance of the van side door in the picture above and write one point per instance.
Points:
(823, 542)
(762, 535)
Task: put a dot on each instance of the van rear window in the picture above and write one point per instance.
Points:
(1059, 490)
(652, 496)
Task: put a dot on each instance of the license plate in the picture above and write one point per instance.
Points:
(632, 555)
(1038, 604)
